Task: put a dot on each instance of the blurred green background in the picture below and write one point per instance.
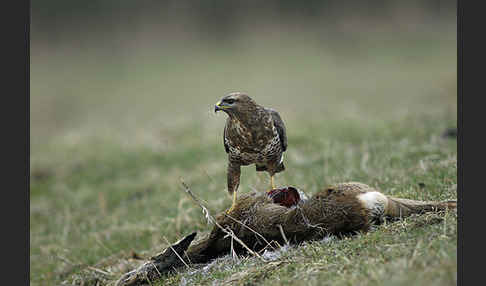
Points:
(118, 64)
(121, 108)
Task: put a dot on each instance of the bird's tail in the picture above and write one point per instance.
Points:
(280, 167)
(397, 207)
(261, 168)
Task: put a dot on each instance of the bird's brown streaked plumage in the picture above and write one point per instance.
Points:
(253, 134)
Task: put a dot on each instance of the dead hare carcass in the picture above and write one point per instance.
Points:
(281, 216)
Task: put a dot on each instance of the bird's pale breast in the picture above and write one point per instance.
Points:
(270, 152)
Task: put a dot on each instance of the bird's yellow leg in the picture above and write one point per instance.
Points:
(272, 182)
(233, 204)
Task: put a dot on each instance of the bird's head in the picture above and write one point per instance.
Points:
(234, 103)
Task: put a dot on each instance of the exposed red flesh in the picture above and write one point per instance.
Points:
(287, 196)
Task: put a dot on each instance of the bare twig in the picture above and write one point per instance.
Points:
(210, 218)
(206, 172)
(233, 252)
(188, 259)
(156, 269)
(283, 234)
(206, 213)
(148, 279)
(170, 245)
(249, 228)
(99, 270)
(68, 261)
(229, 232)
(270, 245)
(306, 220)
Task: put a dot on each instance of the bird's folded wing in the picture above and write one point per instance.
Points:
(280, 126)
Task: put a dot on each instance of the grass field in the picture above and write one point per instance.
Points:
(113, 133)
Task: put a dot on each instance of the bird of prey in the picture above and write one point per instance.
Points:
(253, 134)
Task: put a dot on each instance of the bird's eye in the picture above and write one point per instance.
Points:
(230, 101)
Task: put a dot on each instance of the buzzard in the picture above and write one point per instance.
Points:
(253, 134)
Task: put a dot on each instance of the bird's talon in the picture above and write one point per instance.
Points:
(233, 204)
(230, 209)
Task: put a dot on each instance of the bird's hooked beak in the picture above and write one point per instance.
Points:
(220, 106)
